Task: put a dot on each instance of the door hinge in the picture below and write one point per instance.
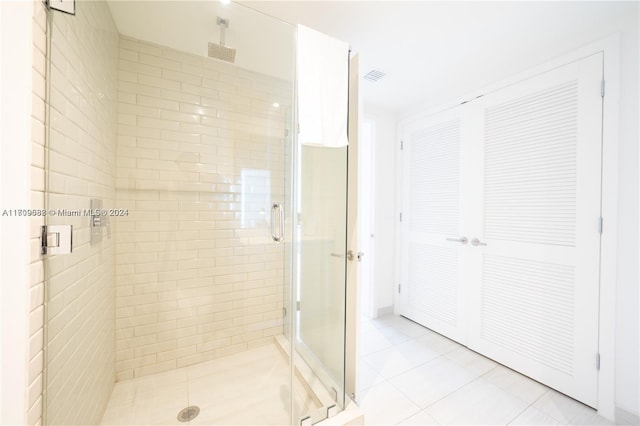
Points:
(399, 288)
(400, 216)
(600, 225)
(602, 88)
(284, 312)
(56, 239)
(598, 361)
(401, 145)
(298, 305)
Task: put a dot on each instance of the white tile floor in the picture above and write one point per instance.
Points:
(249, 388)
(410, 375)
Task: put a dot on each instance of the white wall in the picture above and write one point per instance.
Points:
(384, 190)
(627, 305)
(15, 133)
(36, 267)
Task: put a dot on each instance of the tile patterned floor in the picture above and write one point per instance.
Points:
(410, 375)
(249, 388)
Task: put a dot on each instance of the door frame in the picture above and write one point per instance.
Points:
(352, 291)
(610, 47)
(366, 207)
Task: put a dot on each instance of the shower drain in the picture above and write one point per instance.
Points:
(188, 413)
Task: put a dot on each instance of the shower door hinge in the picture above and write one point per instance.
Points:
(598, 361)
(66, 6)
(298, 305)
(399, 288)
(602, 88)
(401, 145)
(56, 239)
(400, 216)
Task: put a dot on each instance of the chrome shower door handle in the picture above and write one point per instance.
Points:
(277, 237)
(273, 222)
(281, 236)
(477, 242)
(461, 240)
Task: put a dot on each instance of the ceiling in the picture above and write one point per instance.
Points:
(432, 52)
(262, 43)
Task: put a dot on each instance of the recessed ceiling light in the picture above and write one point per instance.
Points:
(225, 2)
(276, 105)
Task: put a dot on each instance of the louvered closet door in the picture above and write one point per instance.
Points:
(534, 298)
(434, 185)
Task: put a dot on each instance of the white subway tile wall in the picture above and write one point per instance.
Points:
(201, 158)
(36, 320)
(82, 165)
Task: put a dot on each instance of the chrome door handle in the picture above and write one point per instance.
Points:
(273, 223)
(281, 238)
(462, 240)
(277, 238)
(477, 242)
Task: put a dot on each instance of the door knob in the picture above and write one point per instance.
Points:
(462, 240)
(477, 242)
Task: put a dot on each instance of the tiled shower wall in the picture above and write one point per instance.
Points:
(82, 165)
(36, 268)
(201, 157)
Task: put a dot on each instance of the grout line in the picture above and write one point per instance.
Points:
(517, 415)
(421, 410)
(443, 355)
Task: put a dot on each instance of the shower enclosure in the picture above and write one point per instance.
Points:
(188, 235)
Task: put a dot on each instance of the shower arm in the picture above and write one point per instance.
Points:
(223, 23)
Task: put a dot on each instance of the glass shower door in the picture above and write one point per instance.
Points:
(321, 229)
(206, 250)
(163, 166)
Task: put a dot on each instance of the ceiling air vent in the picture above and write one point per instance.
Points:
(374, 75)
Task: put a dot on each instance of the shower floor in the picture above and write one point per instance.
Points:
(248, 388)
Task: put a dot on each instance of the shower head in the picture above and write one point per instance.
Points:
(220, 51)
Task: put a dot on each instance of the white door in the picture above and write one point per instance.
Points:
(518, 173)
(434, 209)
(535, 283)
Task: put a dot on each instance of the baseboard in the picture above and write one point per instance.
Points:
(624, 417)
(387, 310)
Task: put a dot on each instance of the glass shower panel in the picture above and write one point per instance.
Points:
(321, 229)
(167, 165)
